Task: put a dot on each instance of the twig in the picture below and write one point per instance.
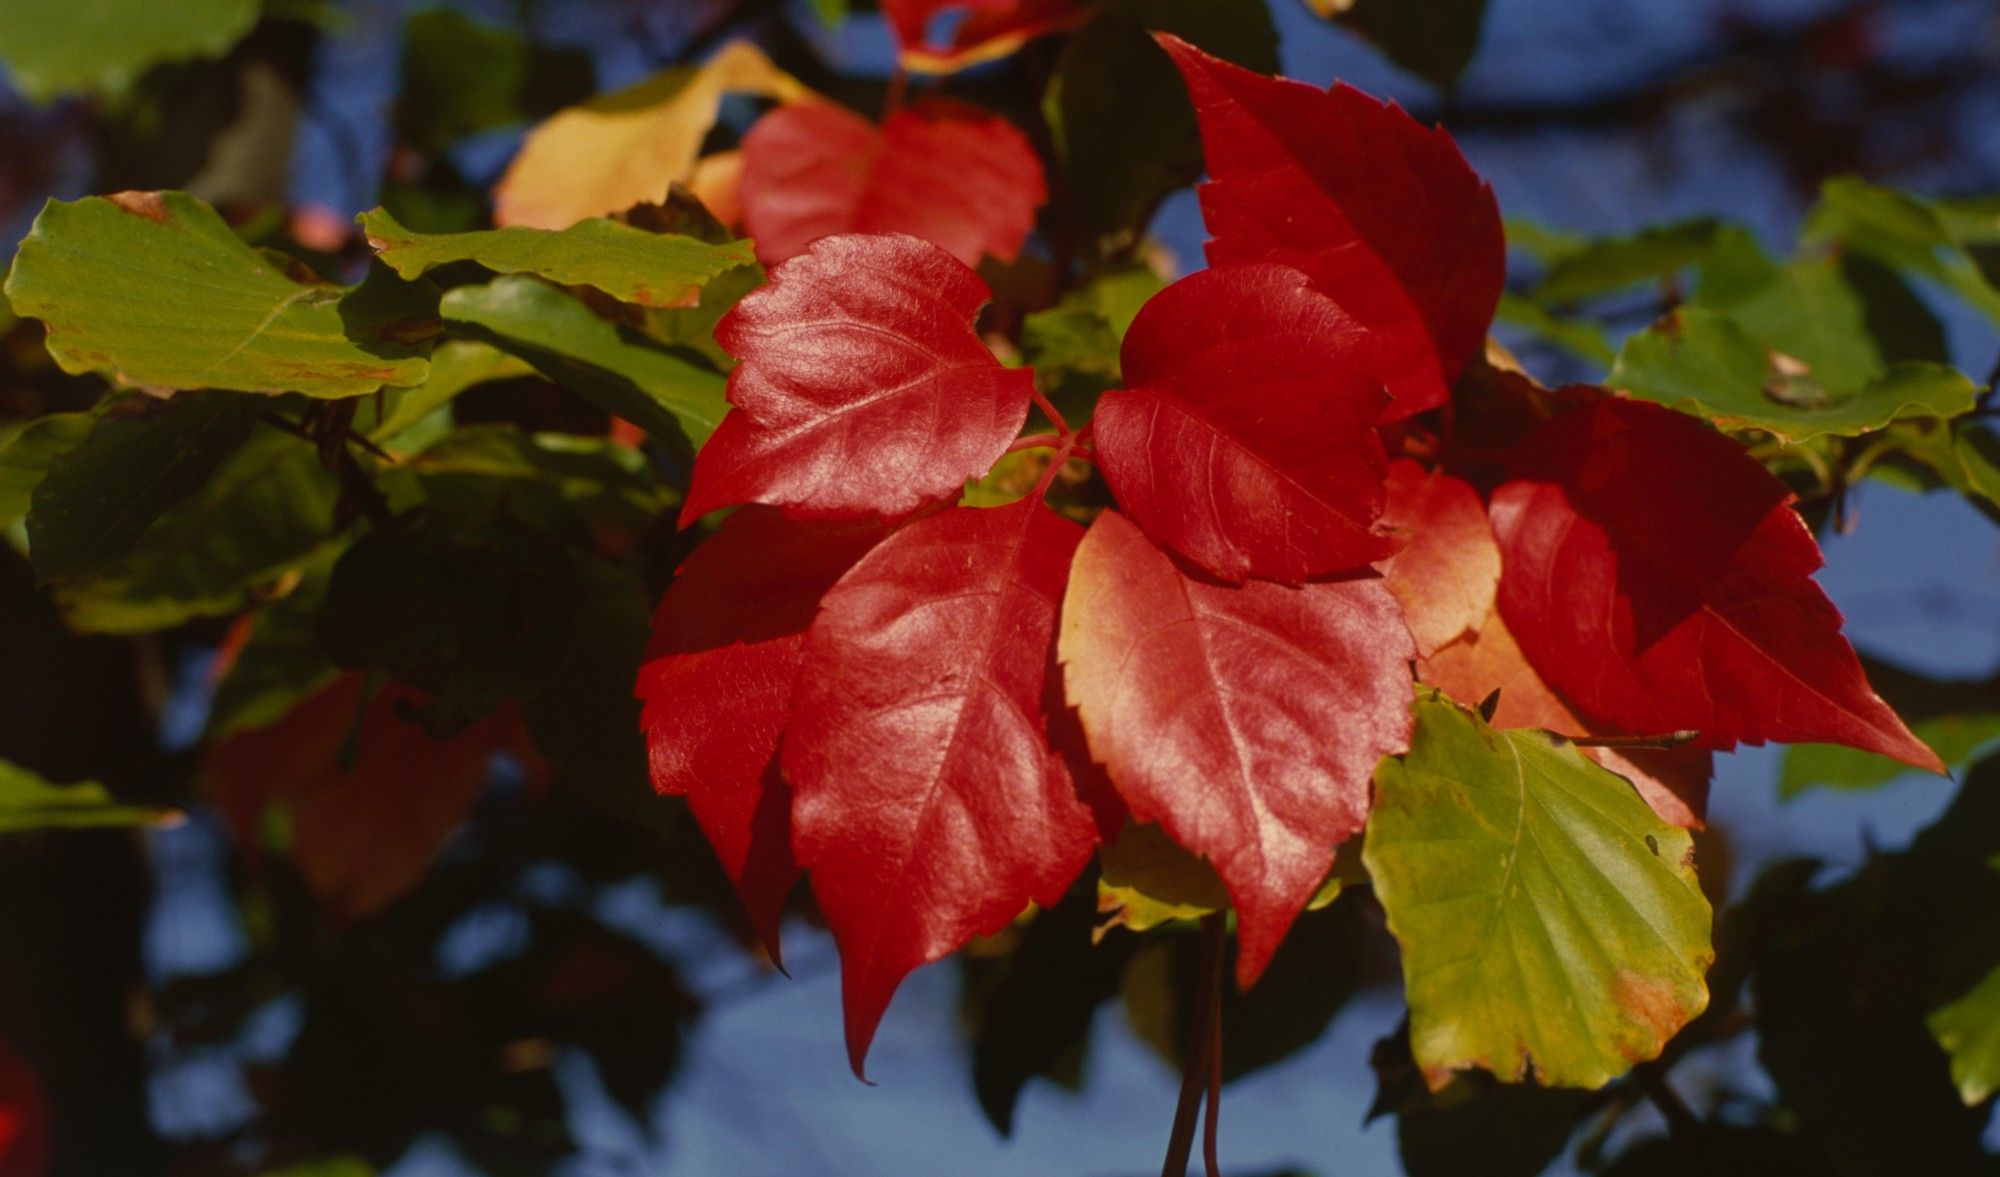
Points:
(1196, 1066)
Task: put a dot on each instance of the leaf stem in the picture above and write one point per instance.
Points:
(1663, 740)
(1049, 410)
(1036, 441)
(1201, 1060)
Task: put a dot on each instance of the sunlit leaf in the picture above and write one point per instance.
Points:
(632, 265)
(27, 802)
(1552, 927)
(156, 289)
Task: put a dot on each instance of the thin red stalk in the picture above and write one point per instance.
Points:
(1196, 1065)
(1663, 740)
(1036, 441)
(1049, 410)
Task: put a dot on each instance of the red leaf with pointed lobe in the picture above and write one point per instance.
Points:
(367, 826)
(1245, 437)
(1246, 719)
(991, 29)
(928, 804)
(1448, 571)
(1658, 578)
(1674, 781)
(956, 176)
(1383, 212)
(728, 641)
(863, 390)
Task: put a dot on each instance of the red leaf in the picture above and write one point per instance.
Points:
(952, 174)
(863, 390)
(1246, 440)
(1674, 781)
(929, 806)
(1658, 578)
(991, 29)
(1447, 575)
(1383, 213)
(372, 798)
(1247, 719)
(727, 643)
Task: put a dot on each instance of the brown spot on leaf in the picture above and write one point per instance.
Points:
(1655, 1007)
(141, 204)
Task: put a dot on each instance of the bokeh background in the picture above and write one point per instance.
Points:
(1598, 116)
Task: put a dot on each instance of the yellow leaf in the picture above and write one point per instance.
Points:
(620, 149)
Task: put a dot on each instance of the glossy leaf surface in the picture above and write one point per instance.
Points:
(728, 641)
(929, 805)
(1551, 925)
(1383, 213)
(1246, 719)
(1658, 578)
(1244, 438)
(862, 389)
(958, 177)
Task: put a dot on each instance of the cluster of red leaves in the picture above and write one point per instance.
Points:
(859, 679)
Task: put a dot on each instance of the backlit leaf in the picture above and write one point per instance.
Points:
(1246, 720)
(1448, 573)
(928, 805)
(631, 265)
(155, 288)
(728, 641)
(1382, 213)
(965, 180)
(862, 389)
(1552, 926)
(1245, 439)
(989, 29)
(628, 147)
(1659, 579)
(1969, 1031)
(27, 802)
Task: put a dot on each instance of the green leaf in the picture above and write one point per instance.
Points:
(155, 289)
(1969, 1031)
(1149, 880)
(1124, 130)
(27, 802)
(1434, 41)
(1955, 738)
(1551, 925)
(631, 265)
(456, 365)
(266, 511)
(1908, 234)
(28, 449)
(1572, 335)
(1702, 362)
(1607, 265)
(53, 47)
(614, 369)
(141, 459)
